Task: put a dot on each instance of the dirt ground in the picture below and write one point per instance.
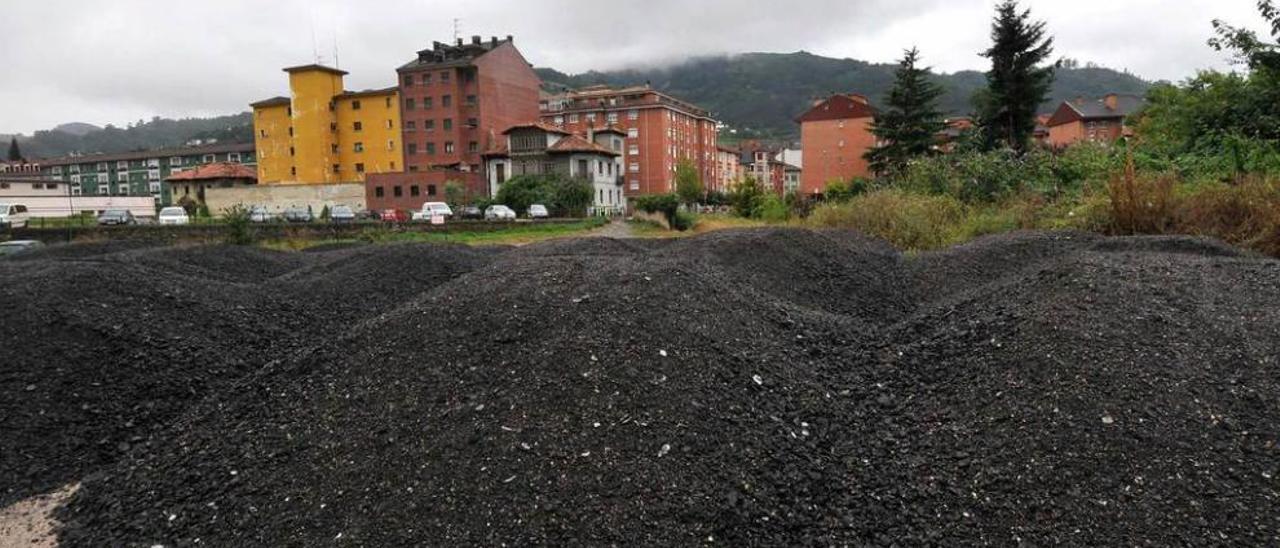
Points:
(30, 523)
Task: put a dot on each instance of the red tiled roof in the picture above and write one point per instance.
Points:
(838, 107)
(574, 143)
(217, 171)
(537, 125)
(499, 148)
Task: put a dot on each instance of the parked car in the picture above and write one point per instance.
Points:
(117, 217)
(368, 215)
(394, 216)
(13, 216)
(17, 247)
(259, 214)
(538, 211)
(342, 214)
(471, 212)
(499, 213)
(432, 209)
(297, 215)
(173, 216)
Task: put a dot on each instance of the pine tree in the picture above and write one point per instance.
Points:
(1017, 84)
(909, 124)
(15, 155)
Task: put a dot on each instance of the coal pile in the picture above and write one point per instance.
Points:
(763, 387)
(107, 344)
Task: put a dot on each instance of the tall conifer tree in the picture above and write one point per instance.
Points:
(1018, 82)
(908, 126)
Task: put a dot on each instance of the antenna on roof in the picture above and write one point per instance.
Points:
(315, 46)
(336, 63)
(457, 29)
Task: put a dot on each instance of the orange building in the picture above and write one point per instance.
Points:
(1100, 121)
(661, 132)
(835, 135)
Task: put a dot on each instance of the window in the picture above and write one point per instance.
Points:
(379, 192)
(411, 126)
(612, 118)
(102, 166)
(431, 190)
(633, 114)
(209, 158)
(234, 157)
(635, 167)
(359, 147)
(448, 147)
(391, 124)
(573, 118)
(358, 126)
(473, 123)
(413, 148)
(444, 76)
(175, 161)
(391, 144)
(409, 104)
(427, 103)
(333, 148)
(337, 168)
(448, 124)
(559, 120)
(473, 147)
(472, 100)
(414, 191)
(360, 169)
(122, 165)
(408, 79)
(591, 117)
(291, 151)
(291, 131)
(388, 102)
(397, 191)
(429, 125)
(634, 150)
(635, 184)
(355, 105)
(57, 170)
(633, 133)
(431, 149)
(446, 101)
(293, 171)
(333, 127)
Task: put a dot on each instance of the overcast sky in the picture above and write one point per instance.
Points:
(112, 62)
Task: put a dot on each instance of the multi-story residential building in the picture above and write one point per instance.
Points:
(19, 169)
(763, 165)
(324, 134)
(1100, 121)
(728, 169)
(661, 132)
(139, 173)
(835, 136)
(50, 198)
(458, 99)
(540, 149)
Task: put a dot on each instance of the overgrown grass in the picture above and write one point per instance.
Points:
(516, 234)
(1246, 214)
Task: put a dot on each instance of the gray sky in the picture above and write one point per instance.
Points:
(117, 61)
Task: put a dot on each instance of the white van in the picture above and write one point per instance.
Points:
(433, 209)
(13, 216)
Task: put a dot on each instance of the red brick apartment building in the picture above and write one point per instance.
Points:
(835, 134)
(1099, 121)
(457, 99)
(661, 131)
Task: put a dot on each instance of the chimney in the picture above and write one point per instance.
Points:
(510, 39)
(1112, 101)
(459, 42)
(591, 134)
(475, 40)
(493, 41)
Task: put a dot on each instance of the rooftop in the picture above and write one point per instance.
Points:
(574, 143)
(838, 107)
(315, 68)
(147, 154)
(454, 55)
(604, 97)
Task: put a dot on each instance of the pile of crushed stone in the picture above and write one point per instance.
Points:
(756, 387)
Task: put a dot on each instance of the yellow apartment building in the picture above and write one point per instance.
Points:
(322, 133)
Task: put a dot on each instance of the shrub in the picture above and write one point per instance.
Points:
(1141, 205)
(771, 208)
(1246, 214)
(668, 205)
(563, 197)
(745, 196)
(239, 226)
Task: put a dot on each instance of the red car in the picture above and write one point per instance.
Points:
(394, 216)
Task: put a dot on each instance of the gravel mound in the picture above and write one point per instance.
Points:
(840, 272)
(1062, 389)
(106, 347)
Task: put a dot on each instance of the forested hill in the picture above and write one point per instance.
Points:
(142, 135)
(764, 92)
